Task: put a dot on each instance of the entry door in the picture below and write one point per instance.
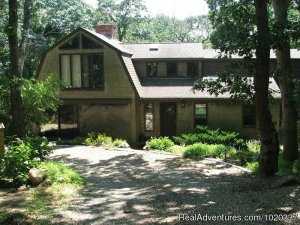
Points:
(167, 118)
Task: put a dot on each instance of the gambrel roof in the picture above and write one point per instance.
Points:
(164, 88)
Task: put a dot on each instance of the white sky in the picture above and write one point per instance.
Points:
(176, 8)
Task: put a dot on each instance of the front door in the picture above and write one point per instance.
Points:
(167, 118)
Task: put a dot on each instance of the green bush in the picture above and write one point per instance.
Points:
(119, 143)
(206, 136)
(253, 166)
(22, 155)
(201, 151)
(41, 147)
(17, 162)
(98, 139)
(60, 173)
(162, 143)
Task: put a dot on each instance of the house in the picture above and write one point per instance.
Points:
(131, 90)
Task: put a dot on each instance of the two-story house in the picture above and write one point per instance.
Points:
(126, 90)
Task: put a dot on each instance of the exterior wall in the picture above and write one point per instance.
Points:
(223, 114)
(116, 81)
(1, 138)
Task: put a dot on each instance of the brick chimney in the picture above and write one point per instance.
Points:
(107, 30)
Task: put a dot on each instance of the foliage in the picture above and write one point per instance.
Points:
(120, 143)
(17, 162)
(125, 13)
(201, 151)
(163, 28)
(39, 97)
(22, 155)
(60, 173)
(207, 136)
(96, 139)
(253, 167)
(161, 143)
(41, 147)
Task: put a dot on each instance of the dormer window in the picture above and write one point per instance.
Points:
(151, 69)
(172, 69)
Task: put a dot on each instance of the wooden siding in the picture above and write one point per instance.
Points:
(223, 114)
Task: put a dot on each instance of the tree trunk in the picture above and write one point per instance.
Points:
(25, 33)
(18, 121)
(287, 87)
(268, 161)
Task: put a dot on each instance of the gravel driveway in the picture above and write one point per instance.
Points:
(140, 187)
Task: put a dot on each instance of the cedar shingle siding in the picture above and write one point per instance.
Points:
(118, 108)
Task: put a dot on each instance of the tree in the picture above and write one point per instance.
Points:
(17, 112)
(268, 160)
(241, 27)
(286, 81)
(125, 13)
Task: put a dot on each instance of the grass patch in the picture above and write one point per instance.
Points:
(58, 173)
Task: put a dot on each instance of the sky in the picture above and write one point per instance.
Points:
(176, 8)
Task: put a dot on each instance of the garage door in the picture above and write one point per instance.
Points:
(113, 120)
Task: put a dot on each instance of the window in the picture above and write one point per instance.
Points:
(249, 115)
(151, 69)
(149, 126)
(200, 114)
(71, 44)
(87, 43)
(82, 71)
(192, 69)
(171, 69)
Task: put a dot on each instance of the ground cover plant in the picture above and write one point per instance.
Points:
(21, 156)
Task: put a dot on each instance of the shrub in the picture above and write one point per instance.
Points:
(253, 166)
(162, 143)
(41, 147)
(119, 143)
(17, 162)
(22, 155)
(60, 173)
(204, 135)
(201, 151)
(98, 139)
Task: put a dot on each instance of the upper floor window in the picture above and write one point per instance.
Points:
(171, 69)
(192, 69)
(82, 70)
(249, 115)
(88, 43)
(80, 40)
(151, 69)
(200, 114)
(71, 44)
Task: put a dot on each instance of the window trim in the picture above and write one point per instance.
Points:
(70, 49)
(71, 72)
(243, 115)
(145, 104)
(194, 114)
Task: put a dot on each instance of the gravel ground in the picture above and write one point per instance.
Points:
(140, 187)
